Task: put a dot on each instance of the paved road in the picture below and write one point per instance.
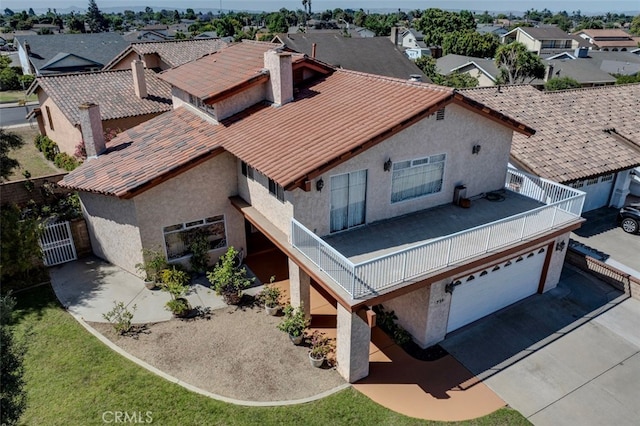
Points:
(10, 116)
(568, 357)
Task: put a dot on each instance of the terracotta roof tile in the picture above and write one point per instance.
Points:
(571, 142)
(145, 152)
(112, 90)
(173, 52)
(330, 118)
(225, 68)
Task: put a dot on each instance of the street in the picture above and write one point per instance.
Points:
(15, 115)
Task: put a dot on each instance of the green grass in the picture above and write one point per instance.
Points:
(7, 96)
(72, 378)
(29, 157)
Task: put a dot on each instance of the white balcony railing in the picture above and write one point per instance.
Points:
(562, 205)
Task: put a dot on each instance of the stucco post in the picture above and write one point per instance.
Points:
(92, 132)
(621, 189)
(139, 82)
(352, 345)
(299, 288)
(280, 88)
(554, 269)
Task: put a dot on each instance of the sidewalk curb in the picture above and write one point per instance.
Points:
(195, 389)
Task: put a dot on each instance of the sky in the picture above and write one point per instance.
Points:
(585, 6)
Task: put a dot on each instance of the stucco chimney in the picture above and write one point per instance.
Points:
(314, 46)
(280, 89)
(92, 132)
(549, 74)
(139, 82)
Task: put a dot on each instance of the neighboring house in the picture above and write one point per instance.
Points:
(496, 30)
(412, 38)
(415, 53)
(622, 63)
(351, 175)
(586, 138)
(612, 39)
(125, 101)
(363, 32)
(206, 35)
(485, 70)
(64, 53)
(163, 55)
(146, 35)
(374, 55)
(53, 28)
(544, 41)
(583, 71)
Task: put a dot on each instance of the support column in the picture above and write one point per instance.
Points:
(299, 288)
(352, 345)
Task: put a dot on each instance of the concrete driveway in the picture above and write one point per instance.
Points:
(568, 357)
(613, 245)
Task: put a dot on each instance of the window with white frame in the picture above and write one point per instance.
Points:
(415, 178)
(178, 238)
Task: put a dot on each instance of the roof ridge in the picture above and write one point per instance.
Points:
(593, 88)
(397, 80)
(77, 73)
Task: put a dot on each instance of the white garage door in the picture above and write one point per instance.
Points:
(598, 191)
(487, 291)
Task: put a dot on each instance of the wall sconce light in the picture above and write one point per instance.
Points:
(387, 165)
(319, 184)
(560, 246)
(475, 149)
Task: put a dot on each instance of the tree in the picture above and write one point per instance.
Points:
(95, 19)
(628, 79)
(13, 400)
(635, 26)
(190, 14)
(8, 141)
(561, 83)
(470, 43)
(276, 23)
(517, 64)
(435, 23)
(75, 25)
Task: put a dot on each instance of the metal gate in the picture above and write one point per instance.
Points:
(57, 244)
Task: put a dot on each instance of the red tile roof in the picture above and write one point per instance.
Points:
(221, 70)
(331, 120)
(112, 90)
(151, 150)
(173, 52)
(571, 142)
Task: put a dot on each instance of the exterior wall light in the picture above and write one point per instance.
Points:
(387, 165)
(560, 246)
(319, 184)
(476, 149)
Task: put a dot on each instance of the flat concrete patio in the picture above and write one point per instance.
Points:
(379, 238)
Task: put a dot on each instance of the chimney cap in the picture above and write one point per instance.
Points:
(87, 105)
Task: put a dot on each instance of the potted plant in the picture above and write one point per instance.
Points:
(294, 323)
(174, 282)
(270, 295)
(229, 280)
(154, 262)
(320, 347)
(199, 247)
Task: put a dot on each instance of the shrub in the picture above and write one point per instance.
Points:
(13, 395)
(387, 322)
(65, 161)
(20, 249)
(228, 279)
(294, 322)
(120, 317)
(320, 345)
(48, 147)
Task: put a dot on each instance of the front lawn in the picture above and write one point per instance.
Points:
(72, 378)
(7, 96)
(29, 157)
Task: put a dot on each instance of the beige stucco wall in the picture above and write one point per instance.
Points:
(113, 230)
(65, 134)
(256, 193)
(126, 123)
(198, 193)
(240, 102)
(151, 60)
(483, 80)
(453, 136)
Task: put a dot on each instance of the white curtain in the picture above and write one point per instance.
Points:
(357, 197)
(339, 202)
(416, 181)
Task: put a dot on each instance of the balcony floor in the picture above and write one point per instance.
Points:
(387, 236)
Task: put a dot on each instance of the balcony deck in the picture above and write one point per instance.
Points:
(389, 236)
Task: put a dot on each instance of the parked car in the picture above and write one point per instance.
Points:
(629, 218)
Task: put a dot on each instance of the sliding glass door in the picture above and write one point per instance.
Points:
(348, 200)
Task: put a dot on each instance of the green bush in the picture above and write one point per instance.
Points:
(48, 147)
(65, 161)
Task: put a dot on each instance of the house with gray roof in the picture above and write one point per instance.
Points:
(374, 55)
(485, 70)
(63, 53)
